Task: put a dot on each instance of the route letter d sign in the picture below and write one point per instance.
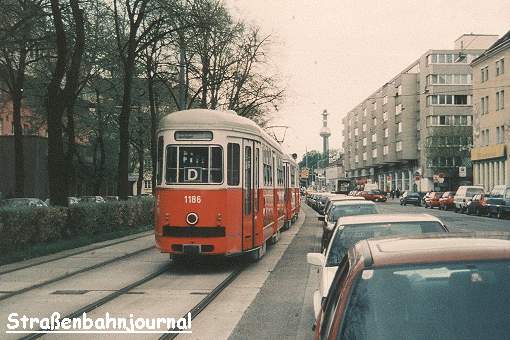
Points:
(192, 174)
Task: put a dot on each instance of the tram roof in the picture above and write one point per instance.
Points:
(195, 119)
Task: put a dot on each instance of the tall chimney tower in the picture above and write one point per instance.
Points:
(325, 133)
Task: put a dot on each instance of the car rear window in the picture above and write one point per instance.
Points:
(473, 191)
(350, 210)
(351, 234)
(468, 300)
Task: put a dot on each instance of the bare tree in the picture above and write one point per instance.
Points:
(21, 21)
(62, 91)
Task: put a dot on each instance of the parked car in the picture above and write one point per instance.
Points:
(432, 199)
(424, 197)
(464, 194)
(477, 205)
(22, 202)
(92, 199)
(498, 202)
(410, 197)
(338, 198)
(111, 198)
(374, 195)
(349, 230)
(442, 286)
(446, 201)
(340, 209)
(70, 200)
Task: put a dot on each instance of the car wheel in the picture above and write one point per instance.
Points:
(500, 215)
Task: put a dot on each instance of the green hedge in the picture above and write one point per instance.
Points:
(24, 227)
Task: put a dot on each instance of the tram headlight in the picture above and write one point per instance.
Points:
(192, 218)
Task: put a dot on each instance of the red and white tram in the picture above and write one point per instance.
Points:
(224, 186)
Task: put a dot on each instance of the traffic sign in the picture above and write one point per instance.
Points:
(462, 171)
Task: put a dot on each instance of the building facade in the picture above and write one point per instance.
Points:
(415, 131)
(491, 131)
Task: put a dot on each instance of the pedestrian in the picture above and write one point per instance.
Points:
(392, 193)
(397, 193)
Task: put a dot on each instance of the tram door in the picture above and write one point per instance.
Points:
(251, 159)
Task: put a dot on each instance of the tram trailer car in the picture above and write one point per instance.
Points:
(223, 186)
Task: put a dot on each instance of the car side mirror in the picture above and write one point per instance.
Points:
(321, 218)
(316, 259)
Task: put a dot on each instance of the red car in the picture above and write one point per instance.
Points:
(432, 199)
(374, 195)
(446, 201)
(440, 286)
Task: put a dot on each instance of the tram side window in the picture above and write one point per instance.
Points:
(159, 176)
(233, 164)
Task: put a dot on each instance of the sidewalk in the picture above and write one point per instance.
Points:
(283, 307)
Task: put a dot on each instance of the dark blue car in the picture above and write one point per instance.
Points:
(498, 202)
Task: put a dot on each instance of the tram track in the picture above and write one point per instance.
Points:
(71, 274)
(7, 271)
(110, 297)
(200, 306)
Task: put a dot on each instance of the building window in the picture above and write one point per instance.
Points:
(364, 127)
(147, 184)
(398, 109)
(500, 100)
(386, 133)
(399, 90)
(374, 138)
(385, 150)
(454, 120)
(500, 67)
(449, 79)
(385, 116)
(365, 141)
(449, 58)
(443, 99)
(399, 127)
(356, 131)
(374, 153)
(364, 156)
(484, 74)
(356, 159)
(374, 121)
(398, 146)
(385, 100)
(365, 112)
(375, 105)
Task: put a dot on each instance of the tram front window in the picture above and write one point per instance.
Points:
(194, 164)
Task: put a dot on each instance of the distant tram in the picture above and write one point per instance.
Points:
(223, 186)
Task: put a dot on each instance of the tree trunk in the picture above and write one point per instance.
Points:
(19, 167)
(71, 149)
(140, 169)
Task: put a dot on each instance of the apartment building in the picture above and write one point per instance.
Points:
(491, 115)
(415, 131)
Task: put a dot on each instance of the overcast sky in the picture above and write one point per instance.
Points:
(331, 54)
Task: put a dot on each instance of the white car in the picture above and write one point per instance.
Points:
(352, 229)
(339, 198)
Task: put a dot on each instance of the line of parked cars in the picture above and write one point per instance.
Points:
(471, 200)
(38, 203)
(405, 276)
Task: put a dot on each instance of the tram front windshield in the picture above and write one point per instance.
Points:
(194, 164)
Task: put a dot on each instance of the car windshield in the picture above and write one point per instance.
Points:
(374, 192)
(338, 211)
(469, 300)
(351, 234)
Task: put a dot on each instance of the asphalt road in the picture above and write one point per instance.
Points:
(454, 221)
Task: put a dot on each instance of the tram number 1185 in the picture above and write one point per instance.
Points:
(192, 199)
